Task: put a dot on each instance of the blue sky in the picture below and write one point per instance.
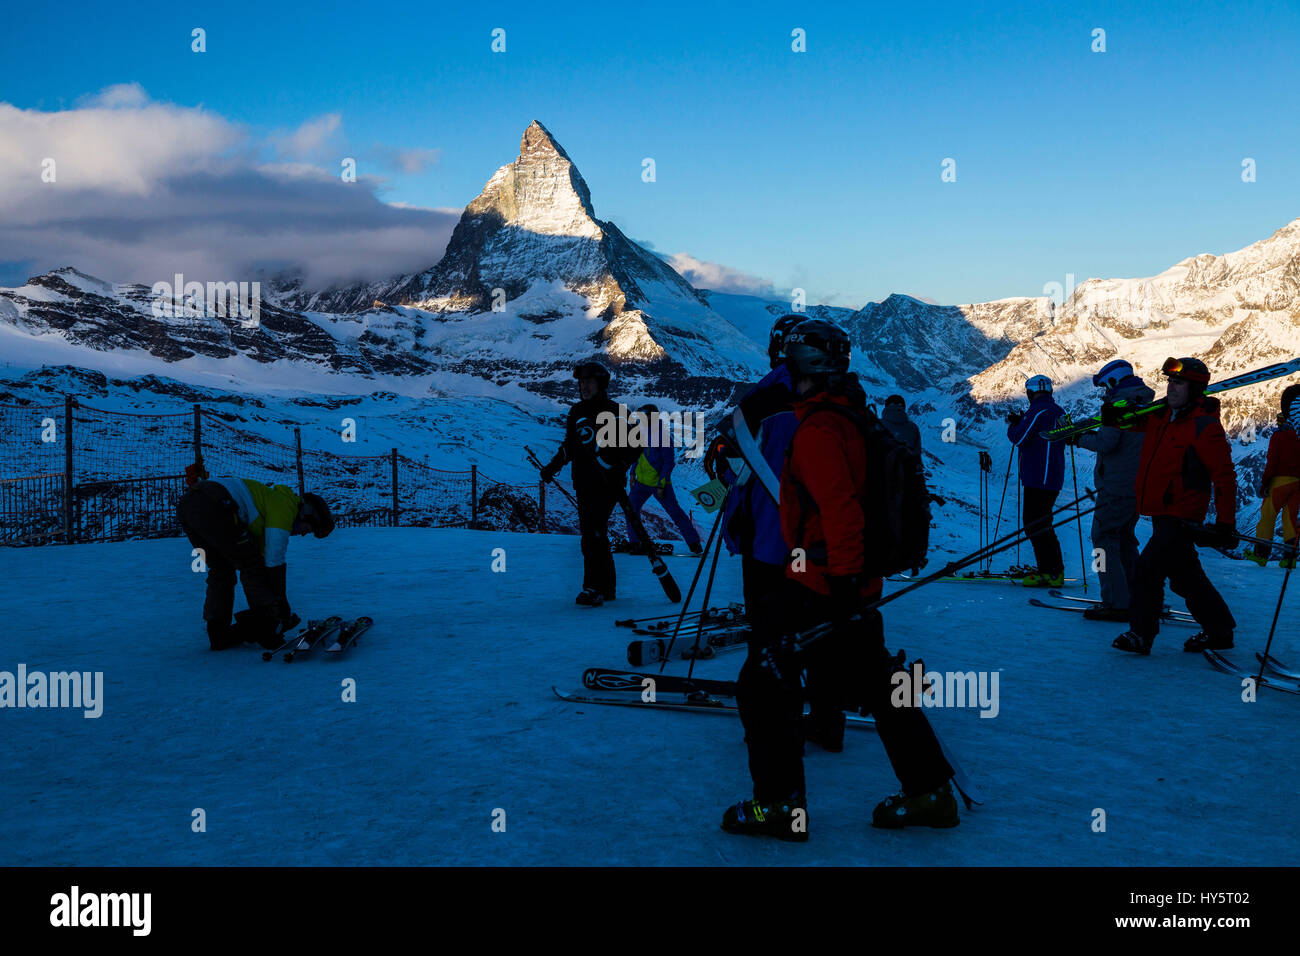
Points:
(817, 169)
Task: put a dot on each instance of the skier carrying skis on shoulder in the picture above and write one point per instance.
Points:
(1185, 453)
(1042, 473)
(652, 475)
(822, 515)
(243, 526)
(598, 475)
(1280, 484)
(1115, 475)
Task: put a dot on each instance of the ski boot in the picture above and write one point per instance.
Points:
(1133, 642)
(785, 819)
(1288, 562)
(1104, 612)
(222, 637)
(696, 548)
(1200, 641)
(590, 597)
(938, 808)
(1260, 559)
(1041, 579)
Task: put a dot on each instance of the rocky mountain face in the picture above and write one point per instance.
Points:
(531, 283)
(1235, 312)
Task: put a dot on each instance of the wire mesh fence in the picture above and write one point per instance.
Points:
(72, 473)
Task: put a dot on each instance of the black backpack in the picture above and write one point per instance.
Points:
(896, 503)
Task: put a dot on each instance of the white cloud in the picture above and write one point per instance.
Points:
(145, 189)
(720, 278)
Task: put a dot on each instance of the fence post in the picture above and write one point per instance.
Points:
(198, 435)
(473, 495)
(68, 404)
(541, 507)
(297, 445)
(395, 511)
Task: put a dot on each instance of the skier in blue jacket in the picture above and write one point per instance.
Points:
(652, 476)
(1042, 473)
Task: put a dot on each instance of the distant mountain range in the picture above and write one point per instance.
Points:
(532, 282)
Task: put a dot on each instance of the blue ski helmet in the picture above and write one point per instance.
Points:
(776, 340)
(1112, 373)
(1039, 383)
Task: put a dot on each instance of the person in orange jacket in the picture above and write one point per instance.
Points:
(1185, 453)
(1280, 484)
(822, 486)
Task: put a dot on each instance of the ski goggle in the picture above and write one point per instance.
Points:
(1177, 368)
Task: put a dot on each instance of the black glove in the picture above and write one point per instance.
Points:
(550, 471)
(1109, 414)
(1013, 418)
(781, 660)
(1220, 535)
(845, 598)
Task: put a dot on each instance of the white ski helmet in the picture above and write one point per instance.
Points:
(1039, 383)
(1112, 373)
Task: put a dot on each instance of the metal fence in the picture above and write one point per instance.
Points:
(71, 473)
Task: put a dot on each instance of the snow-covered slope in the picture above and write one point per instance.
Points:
(454, 720)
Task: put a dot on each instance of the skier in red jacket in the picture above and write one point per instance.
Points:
(822, 487)
(1184, 454)
(1280, 484)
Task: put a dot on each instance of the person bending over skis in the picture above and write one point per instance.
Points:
(243, 526)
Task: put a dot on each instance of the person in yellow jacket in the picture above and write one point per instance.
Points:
(1280, 484)
(652, 476)
(243, 526)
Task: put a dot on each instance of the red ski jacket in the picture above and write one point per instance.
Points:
(821, 488)
(1182, 458)
(1283, 457)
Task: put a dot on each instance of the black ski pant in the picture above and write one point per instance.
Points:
(209, 518)
(1113, 526)
(596, 501)
(1171, 555)
(856, 670)
(1037, 522)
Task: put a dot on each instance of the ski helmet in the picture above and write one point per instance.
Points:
(1190, 370)
(776, 340)
(1112, 373)
(1289, 396)
(895, 400)
(816, 347)
(316, 513)
(593, 370)
(1038, 383)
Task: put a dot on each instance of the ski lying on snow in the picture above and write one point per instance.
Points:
(982, 579)
(603, 678)
(1166, 618)
(1166, 612)
(708, 704)
(347, 635)
(1275, 666)
(314, 631)
(1221, 663)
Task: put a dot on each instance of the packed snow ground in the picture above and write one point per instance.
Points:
(455, 718)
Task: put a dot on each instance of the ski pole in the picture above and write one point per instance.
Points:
(1276, 611)
(540, 467)
(1020, 515)
(998, 524)
(1074, 474)
(699, 628)
(699, 567)
(799, 642)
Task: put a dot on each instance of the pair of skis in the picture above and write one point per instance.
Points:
(1273, 672)
(651, 651)
(1167, 614)
(699, 695)
(333, 633)
(1131, 411)
(660, 569)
